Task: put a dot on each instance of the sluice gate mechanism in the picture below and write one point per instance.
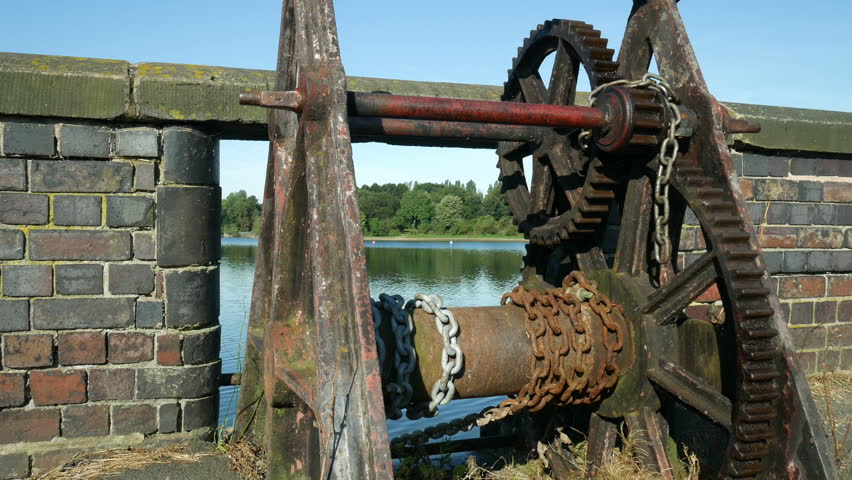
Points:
(596, 339)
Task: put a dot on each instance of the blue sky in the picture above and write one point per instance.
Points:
(783, 52)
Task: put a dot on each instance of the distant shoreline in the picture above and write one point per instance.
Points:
(420, 239)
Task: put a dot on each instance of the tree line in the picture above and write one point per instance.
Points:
(392, 209)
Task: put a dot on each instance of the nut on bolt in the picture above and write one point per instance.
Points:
(292, 100)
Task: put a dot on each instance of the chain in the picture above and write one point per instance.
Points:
(399, 391)
(665, 158)
(452, 357)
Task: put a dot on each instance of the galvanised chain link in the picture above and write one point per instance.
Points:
(399, 391)
(452, 358)
(568, 366)
(665, 158)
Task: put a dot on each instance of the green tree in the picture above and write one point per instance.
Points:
(415, 209)
(239, 211)
(448, 212)
(494, 203)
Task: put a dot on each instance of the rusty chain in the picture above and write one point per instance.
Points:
(665, 157)
(399, 391)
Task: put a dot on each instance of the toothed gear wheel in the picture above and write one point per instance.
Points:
(569, 193)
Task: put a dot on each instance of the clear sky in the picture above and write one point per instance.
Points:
(781, 52)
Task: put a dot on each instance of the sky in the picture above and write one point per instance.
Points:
(770, 52)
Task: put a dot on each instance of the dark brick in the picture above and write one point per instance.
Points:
(757, 212)
(779, 213)
(201, 413)
(819, 261)
(14, 315)
(689, 217)
(85, 421)
(844, 213)
(178, 382)
(11, 244)
(810, 191)
(79, 245)
(774, 261)
(808, 361)
(44, 462)
(803, 166)
(826, 214)
(775, 189)
(58, 387)
(130, 347)
(802, 286)
(28, 351)
(130, 212)
(848, 241)
(844, 311)
(81, 348)
(755, 165)
(190, 157)
(840, 335)
(192, 297)
(188, 226)
(833, 167)
(71, 313)
(169, 418)
(27, 280)
(137, 142)
(127, 419)
(81, 176)
(143, 246)
(168, 350)
(111, 384)
(841, 261)
(146, 177)
(76, 210)
(149, 314)
(800, 214)
(13, 174)
(819, 238)
(201, 346)
(37, 425)
(24, 209)
(77, 279)
(127, 278)
(825, 312)
(84, 141)
(838, 192)
(12, 393)
(779, 166)
(840, 286)
(808, 337)
(737, 157)
(802, 313)
(15, 465)
(28, 138)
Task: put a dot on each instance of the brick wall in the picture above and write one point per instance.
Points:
(802, 207)
(109, 247)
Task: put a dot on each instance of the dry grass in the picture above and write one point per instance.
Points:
(832, 392)
(110, 463)
(247, 459)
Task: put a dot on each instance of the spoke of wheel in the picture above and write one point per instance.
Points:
(650, 433)
(591, 260)
(631, 253)
(533, 88)
(693, 391)
(563, 78)
(683, 289)
(602, 437)
(541, 189)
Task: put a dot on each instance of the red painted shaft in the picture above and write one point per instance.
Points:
(480, 111)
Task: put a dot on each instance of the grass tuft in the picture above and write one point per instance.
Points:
(110, 463)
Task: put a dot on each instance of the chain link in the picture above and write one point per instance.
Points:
(452, 358)
(399, 391)
(665, 158)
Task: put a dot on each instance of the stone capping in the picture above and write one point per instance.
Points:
(153, 93)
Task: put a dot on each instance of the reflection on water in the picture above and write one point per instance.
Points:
(466, 274)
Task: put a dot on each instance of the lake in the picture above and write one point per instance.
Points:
(466, 274)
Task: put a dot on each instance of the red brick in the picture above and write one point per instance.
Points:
(777, 237)
(128, 419)
(837, 192)
(808, 361)
(830, 361)
(820, 238)
(28, 351)
(840, 335)
(85, 421)
(825, 312)
(168, 350)
(846, 359)
(801, 287)
(58, 387)
(159, 284)
(81, 348)
(47, 461)
(844, 311)
(111, 384)
(12, 392)
(130, 347)
(802, 313)
(29, 425)
(805, 338)
(710, 295)
(747, 186)
(840, 286)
